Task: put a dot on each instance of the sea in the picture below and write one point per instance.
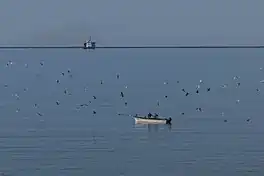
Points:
(60, 112)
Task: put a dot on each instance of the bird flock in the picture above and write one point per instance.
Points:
(68, 73)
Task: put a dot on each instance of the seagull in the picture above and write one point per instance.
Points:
(122, 94)
(39, 114)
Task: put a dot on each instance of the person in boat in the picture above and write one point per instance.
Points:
(156, 115)
(149, 115)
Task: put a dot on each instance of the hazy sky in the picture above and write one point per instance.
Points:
(128, 22)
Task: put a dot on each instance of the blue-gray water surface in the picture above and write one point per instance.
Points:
(39, 137)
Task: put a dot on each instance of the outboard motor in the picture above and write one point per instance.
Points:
(168, 121)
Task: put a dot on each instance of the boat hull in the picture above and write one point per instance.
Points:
(139, 120)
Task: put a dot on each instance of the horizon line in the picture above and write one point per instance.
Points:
(125, 47)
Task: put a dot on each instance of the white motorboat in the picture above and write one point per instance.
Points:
(151, 120)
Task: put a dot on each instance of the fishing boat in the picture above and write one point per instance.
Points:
(151, 120)
(89, 44)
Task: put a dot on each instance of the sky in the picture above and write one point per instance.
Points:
(137, 22)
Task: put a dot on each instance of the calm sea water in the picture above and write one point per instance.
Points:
(67, 140)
